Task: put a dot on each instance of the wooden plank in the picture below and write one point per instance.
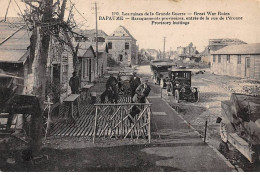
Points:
(64, 129)
(80, 131)
(71, 98)
(159, 113)
(243, 147)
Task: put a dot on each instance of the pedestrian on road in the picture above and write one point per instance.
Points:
(74, 83)
(134, 83)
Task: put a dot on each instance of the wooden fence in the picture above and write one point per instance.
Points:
(112, 120)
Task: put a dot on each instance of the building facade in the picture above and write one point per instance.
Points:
(237, 60)
(122, 47)
(216, 44)
(87, 38)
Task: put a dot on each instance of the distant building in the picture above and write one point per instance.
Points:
(237, 60)
(122, 46)
(152, 53)
(188, 53)
(216, 44)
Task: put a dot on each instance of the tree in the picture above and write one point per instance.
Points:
(45, 19)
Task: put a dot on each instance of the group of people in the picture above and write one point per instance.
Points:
(139, 91)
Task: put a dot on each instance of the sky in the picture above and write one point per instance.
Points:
(151, 36)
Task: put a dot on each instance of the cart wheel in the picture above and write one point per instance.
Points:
(177, 96)
(223, 132)
(161, 83)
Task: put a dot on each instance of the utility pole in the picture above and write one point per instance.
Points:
(96, 37)
(164, 38)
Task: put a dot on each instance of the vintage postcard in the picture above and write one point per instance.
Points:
(130, 86)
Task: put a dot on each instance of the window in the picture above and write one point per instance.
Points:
(228, 58)
(120, 58)
(219, 58)
(247, 62)
(126, 46)
(109, 45)
(214, 58)
(239, 59)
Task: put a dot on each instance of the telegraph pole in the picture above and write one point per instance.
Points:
(164, 38)
(96, 37)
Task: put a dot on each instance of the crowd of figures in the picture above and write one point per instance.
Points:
(139, 91)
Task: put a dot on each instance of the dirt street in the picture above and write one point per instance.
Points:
(213, 89)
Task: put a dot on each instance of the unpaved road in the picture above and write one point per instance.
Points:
(212, 91)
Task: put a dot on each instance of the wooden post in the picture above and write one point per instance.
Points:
(95, 125)
(205, 134)
(161, 92)
(149, 124)
(122, 124)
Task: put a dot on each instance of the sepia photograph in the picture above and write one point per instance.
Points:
(130, 86)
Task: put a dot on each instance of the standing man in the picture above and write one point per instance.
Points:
(74, 83)
(134, 83)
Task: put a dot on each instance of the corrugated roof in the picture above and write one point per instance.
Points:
(14, 41)
(242, 49)
(13, 56)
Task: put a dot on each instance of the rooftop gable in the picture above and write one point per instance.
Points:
(122, 32)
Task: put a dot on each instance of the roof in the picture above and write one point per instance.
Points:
(242, 49)
(128, 36)
(14, 41)
(86, 53)
(91, 33)
(225, 41)
(102, 47)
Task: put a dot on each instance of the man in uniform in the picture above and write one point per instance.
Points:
(74, 83)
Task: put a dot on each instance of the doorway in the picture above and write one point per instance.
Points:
(247, 67)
